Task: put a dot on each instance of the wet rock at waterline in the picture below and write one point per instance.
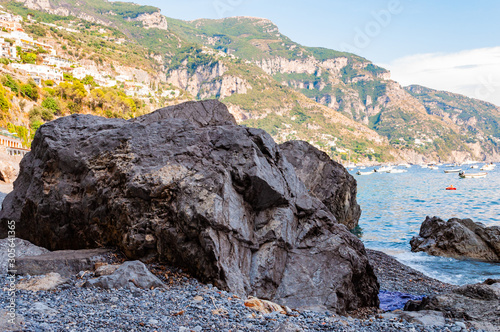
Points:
(220, 201)
(458, 238)
(326, 180)
(477, 303)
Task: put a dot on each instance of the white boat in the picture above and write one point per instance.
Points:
(384, 169)
(472, 175)
(488, 167)
(474, 166)
(396, 171)
(362, 167)
(433, 167)
(364, 173)
(453, 170)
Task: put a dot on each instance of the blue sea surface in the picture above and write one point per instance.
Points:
(395, 205)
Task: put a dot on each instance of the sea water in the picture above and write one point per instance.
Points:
(395, 205)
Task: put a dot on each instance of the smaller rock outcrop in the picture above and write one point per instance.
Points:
(326, 180)
(458, 238)
(64, 262)
(477, 303)
(23, 248)
(132, 274)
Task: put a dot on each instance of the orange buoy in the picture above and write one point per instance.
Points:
(451, 188)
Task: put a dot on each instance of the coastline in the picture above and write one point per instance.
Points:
(394, 276)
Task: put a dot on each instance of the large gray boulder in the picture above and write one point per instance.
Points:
(326, 180)
(220, 201)
(458, 238)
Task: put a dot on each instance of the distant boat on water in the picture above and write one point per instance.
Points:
(488, 167)
(453, 170)
(384, 169)
(365, 173)
(396, 171)
(463, 175)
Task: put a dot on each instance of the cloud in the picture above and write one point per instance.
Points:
(474, 73)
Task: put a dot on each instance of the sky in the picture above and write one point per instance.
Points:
(451, 45)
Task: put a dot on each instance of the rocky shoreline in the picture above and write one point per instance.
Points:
(238, 234)
(185, 304)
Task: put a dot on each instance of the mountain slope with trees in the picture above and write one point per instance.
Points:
(340, 102)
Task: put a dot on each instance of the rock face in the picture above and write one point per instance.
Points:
(326, 180)
(220, 201)
(458, 238)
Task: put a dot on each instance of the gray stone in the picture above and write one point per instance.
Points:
(326, 180)
(458, 238)
(42, 283)
(22, 248)
(219, 201)
(64, 262)
(130, 275)
(43, 308)
(153, 321)
(288, 327)
(424, 317)
(11, 321)
(106, 270)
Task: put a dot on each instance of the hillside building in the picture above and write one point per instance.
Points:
(39, 71)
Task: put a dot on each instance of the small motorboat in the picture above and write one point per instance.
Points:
(463, 175)
(474, 166)
(488, 167)
(396, 171)
(384, 169)
(365, 173)
(453, 170)
(451, 187)
(433, 167)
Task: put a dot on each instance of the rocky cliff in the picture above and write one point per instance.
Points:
(188, 187)
(208, 81)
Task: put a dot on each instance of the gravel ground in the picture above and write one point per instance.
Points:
(73, 308)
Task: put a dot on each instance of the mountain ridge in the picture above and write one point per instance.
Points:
(342, 82)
